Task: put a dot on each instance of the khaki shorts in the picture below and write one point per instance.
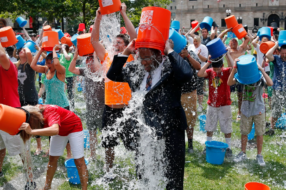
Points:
(221, 114)
(13, 144)
(189, 103)
(246, 124)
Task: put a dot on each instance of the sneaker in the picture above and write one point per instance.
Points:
(109, 176)
(1, 174)
(200, 109)
(190, 150)
(205, 151)
(30, 186)
(260, 160)
(270, 132)
(228, 153)
(240, 157)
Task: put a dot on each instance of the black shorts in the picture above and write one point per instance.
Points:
(236, 87)
(110, 129)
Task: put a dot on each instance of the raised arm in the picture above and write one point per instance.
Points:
(128, 24)
(72, 67)
(231, 80)
(224, 32)
(48, 131)
(229, 59)
(60, 69)
(213, 32)
(202, 73)
(26, 34)
(4, 60)
(98, 47)
(268, 80)
(65, 53)
(243, 46)
(269, 54)
(192, 31)
(29, 55)
(35, 67)
(254, 42)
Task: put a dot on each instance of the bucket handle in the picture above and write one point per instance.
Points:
(151, 25)
(219, 59)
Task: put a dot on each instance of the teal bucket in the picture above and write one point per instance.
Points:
(61, 34)
(74, 39)
(175, 25)
(282, 38)
(264, 32)
(72, 171)
(179, 40)
(247, 70)
(281, 122)
(86, 139)
(215, 152)
(207, 23)
(31, 45)
(203, 119)
(231, 35)
(22, 22)
(251, 135)
(216, 48)
(21, 42)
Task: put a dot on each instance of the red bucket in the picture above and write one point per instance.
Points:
(109, 6)
(7, 36)
(194, 24)
(154, 27)
(90, 28)
(266, 46)
(81, 27)
(231, 21)
(271, 29)
(239, 31)
(256, 186)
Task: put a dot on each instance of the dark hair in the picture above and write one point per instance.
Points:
(10, 49)
(67, 48)
(4, 21)
(216, 63)
(283, 47)
(50, 56)
(124, 37)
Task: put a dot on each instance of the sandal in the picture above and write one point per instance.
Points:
(38, 152)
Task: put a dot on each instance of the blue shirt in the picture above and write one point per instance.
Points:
(41, 63)
(279, 76)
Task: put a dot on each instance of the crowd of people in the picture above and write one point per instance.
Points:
(175, 85)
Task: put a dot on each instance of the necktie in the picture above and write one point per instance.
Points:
(149, 82)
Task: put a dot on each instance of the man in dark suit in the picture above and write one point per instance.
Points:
(161, 79)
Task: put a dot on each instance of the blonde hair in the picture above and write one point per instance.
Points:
(198, 38)
(36, 120)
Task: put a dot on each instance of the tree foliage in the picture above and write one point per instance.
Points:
(78, 10)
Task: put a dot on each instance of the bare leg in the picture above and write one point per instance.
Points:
(39, 146)
(273, 122)
(210, 133)
(239, 97)
(190, 132)
(93, 143)
(227, 135)
(259, 141)
(2, 156)
(69, 154)
(243, 143)
(52, 167)
(82, 172)
(200, 98)
(109, 158)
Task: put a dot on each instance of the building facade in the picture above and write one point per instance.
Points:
(248, 12)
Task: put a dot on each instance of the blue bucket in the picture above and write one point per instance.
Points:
(281, 122)
(203, 119)
(86, 139)
(247, 70)
(21, 42)
(207, 23)
(264, 32)
(79, 88)
(74, 39)
(216, 48)
(215, 152)
(252, 133)
(40, 101)
(282, 38)
(175, 25)
(231, 35)
(61, 34)
(72, 171)
(31, 45)
(179, 41)
(22, 22)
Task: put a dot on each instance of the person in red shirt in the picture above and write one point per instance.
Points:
(63, 125)
(219, 102)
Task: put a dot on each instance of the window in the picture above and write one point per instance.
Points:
(192, 0)
(173, 0)
(256, 4)
(239, 21)
(191, 22)
(239, 5)
(223, 23)
(256, 22)
(208, 6)
(223, 5)
(175, 7)
(171, 7)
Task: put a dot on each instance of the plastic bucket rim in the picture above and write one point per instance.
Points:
(213, 146)
(242, 81)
